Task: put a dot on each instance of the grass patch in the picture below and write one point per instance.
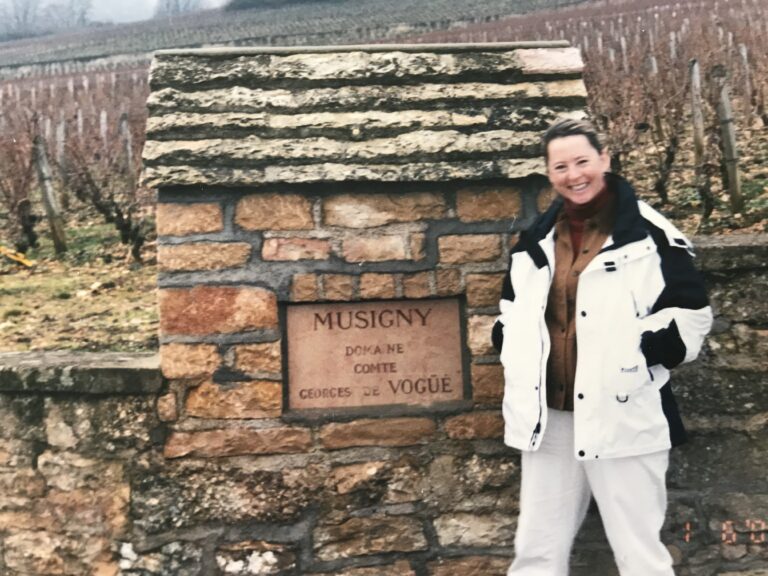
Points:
(89, 298)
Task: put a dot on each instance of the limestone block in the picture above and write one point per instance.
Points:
(167, 409)
(377, 432)
(475, 425)
(418, 145)
(101, 427)
(487, 382)
(274, 212)
(21, 483)
(338, 286)
(243, 100)
(470, 566)
(187, 175)
(353, 477)
(706, 390)
(216, 309)
(448, 282)
(256, 399)
(739, 296)
(386, 67)
(237, 441)
(202, 256)
(259, 358)
(400, 568)
(482, 530)
(175, 557)
(734, 253)
(293, 249)
(407, 482)
(742, 347)
(480, 335)
(571, 89)
(21, 418)
(76, 373)
(377, 286)
(418, 246)
(185, 219)
(37, 552)
(550, 61)
(189, 360)
(484, 289)
(67, 471)
(190, 124)
(463, 248)
(417, 285)
(721, 460)
(304, 288)
(168, 495)
(255, 557)
(371, 210)
(19, 453)
(374, 249)
(480, 203)
(365, 536)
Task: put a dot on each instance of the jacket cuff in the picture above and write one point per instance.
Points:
(497, 335)
(665, 347)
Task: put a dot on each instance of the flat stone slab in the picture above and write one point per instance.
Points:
(732, 252)
(106, 373)
(384, 113)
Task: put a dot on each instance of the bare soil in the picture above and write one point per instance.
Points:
(91, 298)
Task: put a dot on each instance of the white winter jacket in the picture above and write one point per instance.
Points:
(641, 309)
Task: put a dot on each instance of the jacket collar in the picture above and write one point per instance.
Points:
(627, 228)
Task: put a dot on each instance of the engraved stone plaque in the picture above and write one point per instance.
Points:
(374, 353)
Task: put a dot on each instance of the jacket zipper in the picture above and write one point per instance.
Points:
(542, 365)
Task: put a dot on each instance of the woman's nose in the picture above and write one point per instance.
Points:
(572, 172)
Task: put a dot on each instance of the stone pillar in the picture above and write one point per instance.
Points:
(373, 174)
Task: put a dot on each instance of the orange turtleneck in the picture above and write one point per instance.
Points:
(578, 213)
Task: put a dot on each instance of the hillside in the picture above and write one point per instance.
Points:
(326, 22)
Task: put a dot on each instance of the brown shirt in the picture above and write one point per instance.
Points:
(561, 304)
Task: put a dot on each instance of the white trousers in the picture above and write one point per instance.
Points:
(555, 493)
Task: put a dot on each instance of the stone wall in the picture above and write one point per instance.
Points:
(106, 468)
(370, 176)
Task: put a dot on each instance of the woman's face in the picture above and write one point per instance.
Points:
(575, 168)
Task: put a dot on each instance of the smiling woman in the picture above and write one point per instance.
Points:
(600, 302)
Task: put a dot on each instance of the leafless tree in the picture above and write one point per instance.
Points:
(20, 17)
(173, 7)
(67, 14)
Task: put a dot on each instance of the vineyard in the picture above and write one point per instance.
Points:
(330, 22)
(693, 138)
(81, 96)
(680, 90)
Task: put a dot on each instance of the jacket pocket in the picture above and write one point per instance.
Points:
(629, 371)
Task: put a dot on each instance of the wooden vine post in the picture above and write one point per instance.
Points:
(124, 130)
(743, 53)
(730, 152)
(52, 209)
(697, 113)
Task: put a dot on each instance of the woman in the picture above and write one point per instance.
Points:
(600, 302)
